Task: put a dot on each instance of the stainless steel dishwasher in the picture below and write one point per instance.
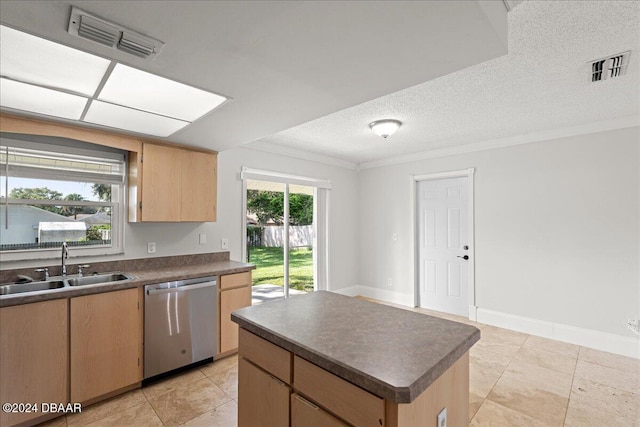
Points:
(180, 324)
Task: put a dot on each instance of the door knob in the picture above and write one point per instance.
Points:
(464, 257)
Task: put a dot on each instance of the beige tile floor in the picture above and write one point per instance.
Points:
(515, 380)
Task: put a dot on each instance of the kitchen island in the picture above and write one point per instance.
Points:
(330, 360)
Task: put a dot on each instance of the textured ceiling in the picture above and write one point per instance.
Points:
(284, 63)
(543, 84)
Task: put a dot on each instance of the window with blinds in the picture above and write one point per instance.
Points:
(60, 191)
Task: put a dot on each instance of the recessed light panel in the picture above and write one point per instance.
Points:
(145, 91)
(31, 59)
(26, 97)
(116, 116)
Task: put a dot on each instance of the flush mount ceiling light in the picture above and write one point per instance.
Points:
(26, 97)
(34, 60)
(117, 116)
(44, 77)
(147, 92)
(385, 128)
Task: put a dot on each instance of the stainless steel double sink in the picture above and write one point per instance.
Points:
(59, 282)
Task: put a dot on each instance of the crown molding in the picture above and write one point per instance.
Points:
(595, 127)
(269, 147)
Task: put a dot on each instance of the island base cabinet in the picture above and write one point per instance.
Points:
(263, 400)
(320, 398)
(106, 343)
(450, 390)
(351, 403)
(306, 414)
(34, 358)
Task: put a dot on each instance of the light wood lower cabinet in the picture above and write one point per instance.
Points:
(106, 343)
(305, 414)
(34, 356)
(320, 398)
(267, 396)
(351, 403)
(234, 293)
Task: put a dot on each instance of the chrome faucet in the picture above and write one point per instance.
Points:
(65, 255)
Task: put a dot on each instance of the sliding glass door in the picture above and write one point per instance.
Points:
(285, 229)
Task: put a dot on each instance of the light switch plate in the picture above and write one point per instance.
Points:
(203, 239)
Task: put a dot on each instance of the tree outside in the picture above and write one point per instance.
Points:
(268, 207)
(41, 193)
(73, 210)
(102, 191)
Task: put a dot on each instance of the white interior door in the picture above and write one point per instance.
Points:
(443, 244)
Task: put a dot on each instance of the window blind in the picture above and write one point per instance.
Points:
(29, 163)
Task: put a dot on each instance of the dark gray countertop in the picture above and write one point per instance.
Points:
(393, 353)
(145, 276)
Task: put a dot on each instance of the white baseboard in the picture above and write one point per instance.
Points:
(379, 294)
(612, 343)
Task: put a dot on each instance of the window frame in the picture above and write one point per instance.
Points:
(117, 204)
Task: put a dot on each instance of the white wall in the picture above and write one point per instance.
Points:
(557, 229)
(183, 238)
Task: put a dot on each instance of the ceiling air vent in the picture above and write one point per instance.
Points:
(91, 27)
(98, 31)
(136, 45)
(610, 67)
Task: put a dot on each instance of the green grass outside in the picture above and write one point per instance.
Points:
(270, 262)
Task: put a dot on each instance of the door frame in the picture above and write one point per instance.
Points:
(468, 173)
(320, 219)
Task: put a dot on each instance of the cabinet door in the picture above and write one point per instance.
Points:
(199, 186)
(106, 343)
(34, 356)
(356, 406)
(161, 183)
(231, 300)
(263, 400)
(235, 280)
(305, 414)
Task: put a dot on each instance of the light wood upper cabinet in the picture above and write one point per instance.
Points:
(34, 356)
(161, 183)
(199, 186)
(106, 343)
(178, 184)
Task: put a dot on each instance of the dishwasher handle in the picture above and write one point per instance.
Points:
(181, 288)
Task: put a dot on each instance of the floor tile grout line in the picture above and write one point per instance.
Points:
(151, 405)
(505, 369)
(573, 378)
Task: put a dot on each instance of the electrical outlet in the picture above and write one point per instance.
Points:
(633, 325)
(442, 418)
(389, 282)
(151, 247)
(224, 243)
(202, 239)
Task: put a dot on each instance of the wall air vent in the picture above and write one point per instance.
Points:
(610, 67)
(91, 27)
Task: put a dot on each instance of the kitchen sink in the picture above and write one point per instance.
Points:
(10, 289)
(98, 278)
